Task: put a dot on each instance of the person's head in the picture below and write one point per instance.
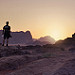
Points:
(7, 22)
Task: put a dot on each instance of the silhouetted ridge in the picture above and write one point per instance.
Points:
(21, 37)
(26, 38)
(47, 39)
(67, 41)
(73, 36)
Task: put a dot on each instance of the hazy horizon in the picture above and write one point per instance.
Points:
(55, 18)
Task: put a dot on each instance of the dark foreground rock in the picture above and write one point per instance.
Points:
(37, 60)
(67, 69)
(14, 62)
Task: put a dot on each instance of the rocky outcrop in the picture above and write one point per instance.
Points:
(48, 39)
(19, 37)
(73, 36)
(44, 40)
(70, 41)
(26, 39)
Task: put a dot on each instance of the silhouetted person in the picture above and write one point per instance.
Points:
(6, 33)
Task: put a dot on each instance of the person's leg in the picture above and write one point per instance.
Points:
(7, 42)
(3, 42)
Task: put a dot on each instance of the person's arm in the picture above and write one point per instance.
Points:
(3, 30)
(9, 30)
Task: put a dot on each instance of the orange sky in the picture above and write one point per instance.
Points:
(42, 17)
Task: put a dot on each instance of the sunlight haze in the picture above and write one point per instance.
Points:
(55, 18)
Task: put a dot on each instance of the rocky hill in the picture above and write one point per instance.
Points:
(70, 41)
(19, 37)
(47, 39)
(26, 39)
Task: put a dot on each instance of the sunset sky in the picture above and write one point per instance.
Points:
(55, 18)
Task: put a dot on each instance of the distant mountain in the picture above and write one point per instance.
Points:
(47, 39)
(44, 40)
(26, 38)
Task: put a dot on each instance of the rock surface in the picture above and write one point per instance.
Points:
(37, 60)
(26, 39)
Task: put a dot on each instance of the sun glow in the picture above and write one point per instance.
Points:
(56, 34)
(55, 18)
(56, 31)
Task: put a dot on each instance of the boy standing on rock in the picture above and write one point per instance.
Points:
(6, 33)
